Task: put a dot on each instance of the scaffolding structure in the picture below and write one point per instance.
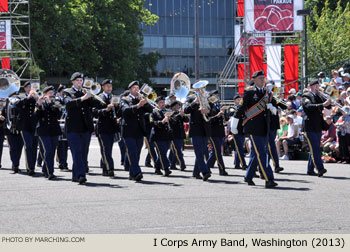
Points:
(21, 57)
(228, 77)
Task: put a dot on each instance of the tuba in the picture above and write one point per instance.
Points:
(202, 95)
(180, 85)
(9, 83)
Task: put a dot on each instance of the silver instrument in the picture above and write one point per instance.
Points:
(94, 88)
(180, 86)
(202, 95)
(327, 94)
(9, 83)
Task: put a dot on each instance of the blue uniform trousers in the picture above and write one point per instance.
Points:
(15, 145)
(123, 157)
(48, 145)
(238, 141)
(162, 148)
(2, 137)
(39, 159)
(200, 148)
(79, 143)
(62, 153)
(30, 148)
(151, 155)
(314, 141)
(133, 150)
(106, 145)
(258, 159)
(176, 154)
(272, 151)
(215, 153)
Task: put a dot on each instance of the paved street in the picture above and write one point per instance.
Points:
(175, 204)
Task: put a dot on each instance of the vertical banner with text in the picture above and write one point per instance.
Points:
(5, 35)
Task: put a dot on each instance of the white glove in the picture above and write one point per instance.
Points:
(271, 108)
(233, 125)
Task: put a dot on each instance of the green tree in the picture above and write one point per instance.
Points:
(100, 38)
(330, 37)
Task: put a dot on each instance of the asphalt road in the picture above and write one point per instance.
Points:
(175, 204)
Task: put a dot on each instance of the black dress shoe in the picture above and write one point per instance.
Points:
(111, 173)
(183, 168)
(158, 172)
(138, 177)
(278, 169)
(167, 173)
(244, 167)
(45, 175)
(51, 177)
(270, 184)
(148, 165)
(206, 176)
(15, 169)
(321, 172)
(173, 168)
(249, 181)
(311, 173)
(82, 181)
(105, 174)
(61, 167)
(31, 172)
(74, 179)
(87, 169)
(223, 173)
(197, 176)
(237, 167)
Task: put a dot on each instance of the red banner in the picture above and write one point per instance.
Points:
(255, 59)
(5, 63)
(4, 6)
(291, 68)
(240, 8)
(241, 76)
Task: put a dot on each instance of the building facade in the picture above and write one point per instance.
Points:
(173, 37)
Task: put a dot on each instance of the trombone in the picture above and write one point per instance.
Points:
(94, 88)
(147, 92)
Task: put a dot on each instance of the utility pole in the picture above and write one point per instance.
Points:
(196, 41)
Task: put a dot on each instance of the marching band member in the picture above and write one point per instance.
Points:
(238, 139)
(79, 125)
(121, 143)
(106, 127)
(161, 135)
(256, 100)
(151, 155)
(177, 120)
(48, 129)
(199, 132)
(26, 124)
(2, 134)
(62, 148)
(217, 134)
(313, 105)
(133, 130)
(274, 126)
(14, 138)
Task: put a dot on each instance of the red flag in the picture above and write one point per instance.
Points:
(5, 63)
(4, 6)
(240, 8)
(291, 68)
(255, 59)
(241, 76)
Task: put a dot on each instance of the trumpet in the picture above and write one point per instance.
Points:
(333, 102)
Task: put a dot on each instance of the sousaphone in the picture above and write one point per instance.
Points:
(9, 83)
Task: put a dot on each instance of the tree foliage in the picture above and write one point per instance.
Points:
(330, 37)
(100, 38)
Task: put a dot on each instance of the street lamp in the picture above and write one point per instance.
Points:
(305, 13)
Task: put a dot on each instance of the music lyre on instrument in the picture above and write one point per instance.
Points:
(146, 92)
